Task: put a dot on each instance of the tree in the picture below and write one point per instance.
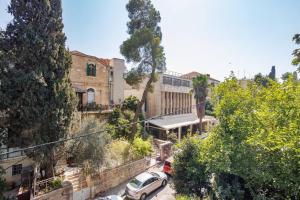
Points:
(200, 85)
(90, 150)
(296, 52)
(286, 76)
(257, 138)
(189, 173)
(261, 80)
(3, 185)
(209, 108)
(272, 74)
(40, 101)
(143, 48)
(130, 103)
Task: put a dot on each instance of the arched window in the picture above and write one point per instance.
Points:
(90, 95)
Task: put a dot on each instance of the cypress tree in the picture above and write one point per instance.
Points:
(39, 100)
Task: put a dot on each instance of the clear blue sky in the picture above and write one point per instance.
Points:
(209, 36)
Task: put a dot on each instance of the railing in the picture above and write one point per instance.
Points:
(45, 186)
(95, 107)
(176, 81)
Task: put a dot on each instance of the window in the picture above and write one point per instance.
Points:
(16, 169)
(91, 69)
(90, 95)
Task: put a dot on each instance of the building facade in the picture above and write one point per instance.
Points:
(97, 82)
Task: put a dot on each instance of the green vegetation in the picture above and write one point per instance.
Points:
(36, 92)
(143, 48)
(119, 123)
(296, 53)
(209, 108)
(56, 183)
(89, 151)
(200, 85)
(190, 174)
(254, 151)
(141, 148)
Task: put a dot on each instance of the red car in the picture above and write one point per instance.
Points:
(167, 168)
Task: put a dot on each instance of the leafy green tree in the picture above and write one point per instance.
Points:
(90, 150)
(200, 85)
(296, 53)
(39, 99)
(209, 108)
(286, 76)
(272, 74)
(131, 103)
(257, 138)
(143, 48)
(262, 80)
(189, 173)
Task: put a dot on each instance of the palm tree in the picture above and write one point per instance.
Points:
(200, 85)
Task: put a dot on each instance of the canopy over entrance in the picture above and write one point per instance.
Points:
(175, 121)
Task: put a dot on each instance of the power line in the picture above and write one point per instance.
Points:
(89, 134)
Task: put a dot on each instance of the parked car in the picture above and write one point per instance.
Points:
(145, 183)
(167, 168)
(111, 197)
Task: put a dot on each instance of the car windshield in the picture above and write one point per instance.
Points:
(135, 183)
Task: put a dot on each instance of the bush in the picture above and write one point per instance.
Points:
(3, 185)
(131, 103)
(189, 173)
(185, 197)
(118, 152)
(141, 148)
(89, 150)
(56, 183)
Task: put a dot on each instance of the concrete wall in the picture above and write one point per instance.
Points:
(118, 69)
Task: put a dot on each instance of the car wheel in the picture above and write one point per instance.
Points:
(143, 197)
(164, 183)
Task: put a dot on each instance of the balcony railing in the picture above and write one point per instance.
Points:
(8, 155)
(95, 107)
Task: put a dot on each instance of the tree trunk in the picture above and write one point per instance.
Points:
(141, 103)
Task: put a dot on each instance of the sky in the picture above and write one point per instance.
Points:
(209, 36)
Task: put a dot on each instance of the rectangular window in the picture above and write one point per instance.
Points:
(91, 69)
(16, 169)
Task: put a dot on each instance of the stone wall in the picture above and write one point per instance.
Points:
(64, 193)
(113, 177)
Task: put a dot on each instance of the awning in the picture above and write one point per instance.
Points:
(175, 121)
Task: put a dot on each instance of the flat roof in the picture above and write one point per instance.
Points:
(175, 121)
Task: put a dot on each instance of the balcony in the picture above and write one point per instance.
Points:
(93, 107)
(10, 155)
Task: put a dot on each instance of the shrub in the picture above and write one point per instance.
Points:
(56, 183)
(3, 185)
(118, 152)
(141, 148)
(185, 197)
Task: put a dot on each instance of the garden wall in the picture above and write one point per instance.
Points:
(64, 193)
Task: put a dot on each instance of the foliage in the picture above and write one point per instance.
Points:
(286, 76)
(3, 185)
(89, 150)
(209, 108)
(257, 138)
(262, 80)
(130, 103)
(296, 52)
(200, 85)
(39, 100)
(56, 183)
(272, 74)
(119, 124)
(172, 137)
(141, 148)
(186, 197)
(189, 173)
(143, 48)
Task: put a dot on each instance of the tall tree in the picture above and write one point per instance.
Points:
(143, 48)
(296, 53)
(200, 85)
(40, 101)
(262, 80)
(272, 74)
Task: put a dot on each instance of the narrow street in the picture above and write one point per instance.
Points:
(163, 193)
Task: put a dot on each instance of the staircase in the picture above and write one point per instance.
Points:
(77, 179)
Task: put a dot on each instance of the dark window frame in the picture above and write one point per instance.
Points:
(16, 169)
(91, 69)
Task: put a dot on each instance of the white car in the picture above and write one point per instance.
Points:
(142, 185)
(111, 197)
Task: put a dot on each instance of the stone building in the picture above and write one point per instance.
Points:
(98, 82)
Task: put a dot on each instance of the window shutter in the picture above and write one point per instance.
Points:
(87, 69)
(94, 70)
